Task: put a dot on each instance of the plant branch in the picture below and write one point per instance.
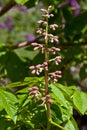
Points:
(26, 43)
(7, 7)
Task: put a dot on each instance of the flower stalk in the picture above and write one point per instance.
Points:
(46, 76)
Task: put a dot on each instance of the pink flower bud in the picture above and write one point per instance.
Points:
(50, 101)
(54, 26)
(56, 40)
(39, 22)
(43, 98)
(45, 63)
(38, 66)
(30, 89)
(41, 46)
(46, 16)
(36, 48)
(44, 33)
(34, 92)
(39, 30)
(53, 74)
(43, 10)
(44, 23)
(33, 71)
(51, 15)
(48, 96)
(55, 80)
(32, 67)
(58, 72)
(34, 88)
(34, 44)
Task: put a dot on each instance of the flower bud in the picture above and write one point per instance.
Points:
(32, 67)
(43, 10)
(50, 101)
(35, 88)
(48, 96)
(34, 44)
(40, 21)
(30, 89)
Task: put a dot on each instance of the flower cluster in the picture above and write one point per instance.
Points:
(38, 68)
(54, 76)
(38, 46)
(47, 49)
(54, 50)
(34, 92)
(46, 98)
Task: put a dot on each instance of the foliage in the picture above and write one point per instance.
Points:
(17, 109)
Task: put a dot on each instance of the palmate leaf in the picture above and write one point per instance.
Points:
(80, 101)
(9, 103)
(21, 1)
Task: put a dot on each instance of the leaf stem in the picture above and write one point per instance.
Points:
(55, 124)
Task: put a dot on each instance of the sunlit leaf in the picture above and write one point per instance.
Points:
(80, 101)
(21, 1)
(9, 103)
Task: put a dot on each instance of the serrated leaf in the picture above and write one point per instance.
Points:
(80, 101)
(21, 1)
(9, 103)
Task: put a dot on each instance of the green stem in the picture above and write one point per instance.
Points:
(46, 78)
(60, 127)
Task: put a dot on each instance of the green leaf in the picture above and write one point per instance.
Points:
(80, 101)
(14, 67)
(68, 91)
(9, 103)
(21, 1)
(1, 105)
(74, 26)
(59, 96)
(71, 125)
(56, 113)
(16, 84)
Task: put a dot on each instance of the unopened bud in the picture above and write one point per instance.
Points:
(39, 22)
(35, 88)
(34, 44)
(48, 95)
(32, 67)
(50, 101)
(43, 10)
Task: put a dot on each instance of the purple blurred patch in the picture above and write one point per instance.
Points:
(75, 5)
(9, 23)
(29, 37)
(22, 8)
(60, 5)
(3, 25)
(76, 12)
